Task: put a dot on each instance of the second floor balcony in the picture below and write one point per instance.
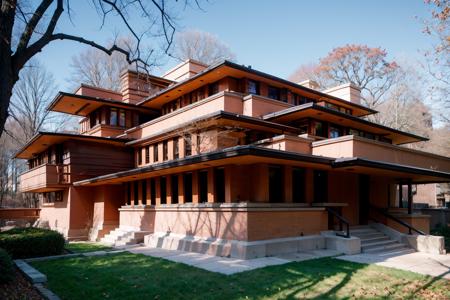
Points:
(45, 178)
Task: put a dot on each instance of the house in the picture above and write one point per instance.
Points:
(224, 154)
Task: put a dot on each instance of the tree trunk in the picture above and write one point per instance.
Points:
(7, 74)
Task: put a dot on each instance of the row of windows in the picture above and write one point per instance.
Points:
(53, 155)
(143, 153)
(116, 117)
(51, 197)
(175, 192)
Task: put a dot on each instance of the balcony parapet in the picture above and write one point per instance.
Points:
(45, 178)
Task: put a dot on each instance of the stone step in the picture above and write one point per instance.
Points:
(374, 239)
(386, 248)
(397, 251)
(377, 244)
(368, 235)
(363, 231)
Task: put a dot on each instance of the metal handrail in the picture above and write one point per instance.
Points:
(342, 220)
(403, 223)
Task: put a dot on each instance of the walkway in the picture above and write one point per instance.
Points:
(226, 265)
(423, 263)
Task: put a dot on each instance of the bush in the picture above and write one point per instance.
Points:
(31, 242)
(445, 232)
(6, 267)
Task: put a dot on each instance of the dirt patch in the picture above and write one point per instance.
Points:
(19, 288)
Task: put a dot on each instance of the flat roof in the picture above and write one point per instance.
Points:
(216, 72)
(82, 105)
(42, 140)
(314, 111)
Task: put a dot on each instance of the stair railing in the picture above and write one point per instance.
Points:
(342, 222)
(385, 213)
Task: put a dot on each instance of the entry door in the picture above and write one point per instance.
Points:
(320, 186)
(364, 195)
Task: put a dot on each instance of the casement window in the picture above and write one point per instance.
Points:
(52, 197)
(144, 192)
(147, 154)
(113, 116)
(174, 188)
(163, 189)
(298, 185)
(213, 88)
(253, 87)
(276, 194)
(320, 129)
(139, 156)
(122, 115)
(128, 193)
(203, 186)
(334, 132)
(155, 153)
(274, 93)
(176, 148)
(320, 186)
(165, 151)
(187, 186)
(136, 192)
(188, 145)
(219, 184)
(152, 191)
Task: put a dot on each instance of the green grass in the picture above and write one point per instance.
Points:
(85, 247)
(135, 276)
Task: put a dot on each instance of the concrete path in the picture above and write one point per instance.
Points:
(423, 263)
(225, 265)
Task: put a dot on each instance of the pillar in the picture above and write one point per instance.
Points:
(211, 192)
(287, 174)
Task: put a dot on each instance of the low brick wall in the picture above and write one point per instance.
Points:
(19, 214)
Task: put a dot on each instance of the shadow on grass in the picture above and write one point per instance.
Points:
(135, 276)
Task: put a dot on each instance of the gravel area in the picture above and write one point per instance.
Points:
(19, 288)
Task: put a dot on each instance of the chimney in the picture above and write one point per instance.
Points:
(346, 91)
(135, 86)
(311, 84)
(185, 70)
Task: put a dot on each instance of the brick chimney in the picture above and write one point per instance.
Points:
(136, 86)
(311, 84)
(185, 70)
(346, 91)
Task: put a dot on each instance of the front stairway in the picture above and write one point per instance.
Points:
(120, 237)
(376, 242)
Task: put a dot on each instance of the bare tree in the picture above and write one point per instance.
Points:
(366, 67)
(201, 46)
(96, 68)
(36, 25)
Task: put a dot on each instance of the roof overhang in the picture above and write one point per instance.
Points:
(403, 173)
(42, 140)
(314, 111)
(227, 68)
(81, 105)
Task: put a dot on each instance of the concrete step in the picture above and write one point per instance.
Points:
(397, 251)
(374, 239)
(386, 248)
(363, 231)
(366, 236)
(377, 244)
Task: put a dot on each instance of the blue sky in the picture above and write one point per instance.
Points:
(274, 36)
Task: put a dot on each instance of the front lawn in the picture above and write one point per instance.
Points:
(81, 247)
(135, 276)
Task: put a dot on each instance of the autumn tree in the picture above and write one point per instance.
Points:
(27, 27)
(201, 46)
(366, 67)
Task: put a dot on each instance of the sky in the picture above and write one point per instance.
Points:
(272, 36)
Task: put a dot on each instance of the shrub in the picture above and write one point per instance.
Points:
(31, 242)
(6, 267)
(445, 232)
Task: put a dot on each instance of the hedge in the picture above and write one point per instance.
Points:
(6, 267)
(31, 242)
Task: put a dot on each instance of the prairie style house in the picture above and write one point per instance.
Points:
(226, 155)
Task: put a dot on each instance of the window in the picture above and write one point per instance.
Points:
(213, 88)
(144, 192)
(163, 189)
(174, 189)
(187, 186)
(147, 154)
(335, 132)
(139, 155)
(165, 151)
(113, 117)
(298, 185)
(136, 192)
(188, 145)
(128, 187)
(320, 186)
(253, 87)
(274, 93)
(320, 129)
(52, 197)
(152, 191)
(176, 150)
(197, 146)
(122, 118)
(275, 184)
(155, 153)
(203, 186)
(219, 184)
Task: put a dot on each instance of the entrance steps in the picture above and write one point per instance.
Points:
(376, 242)
(120, 237)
